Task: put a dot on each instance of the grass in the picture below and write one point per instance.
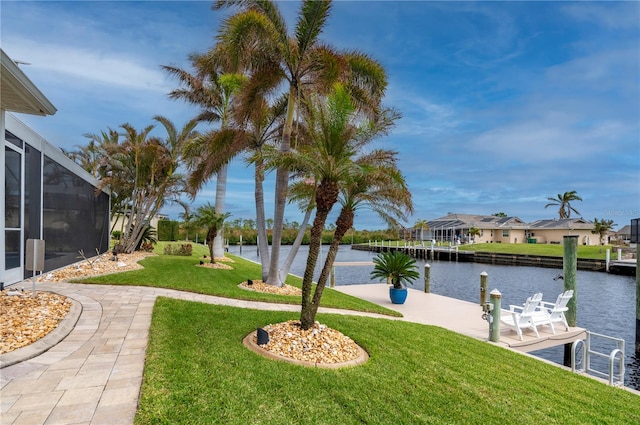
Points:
(198, 372)
(551, 250)
(181, 273)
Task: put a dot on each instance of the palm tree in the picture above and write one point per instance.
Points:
(143, 170)
(377, 184)
(329, 161)
(209, 154)
(257, 37)
(95, 159)
(335, 135)
(422, 224)
(473, 232)
(564, 203)
(601, 228)
(207, 216)
(187, 217)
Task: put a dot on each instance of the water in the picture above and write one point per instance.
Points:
(606, 302)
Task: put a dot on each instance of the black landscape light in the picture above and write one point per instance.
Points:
(249, 282)
(202, 263)
(263, 337)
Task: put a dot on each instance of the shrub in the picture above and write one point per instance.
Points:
(168, 230)
(184, 250)
(146, 247)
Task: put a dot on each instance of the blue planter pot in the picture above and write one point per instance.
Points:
(398, 296)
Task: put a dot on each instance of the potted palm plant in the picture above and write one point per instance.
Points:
(396, 268)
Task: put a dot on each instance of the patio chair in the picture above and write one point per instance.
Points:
(521, 317)
(550, 313)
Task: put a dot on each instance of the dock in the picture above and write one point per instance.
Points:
(460, 316)
(623, 267)
(458, 254)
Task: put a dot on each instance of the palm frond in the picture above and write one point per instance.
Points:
(312, 19)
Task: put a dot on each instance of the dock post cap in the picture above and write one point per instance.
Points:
(495, 293)
(484, 274)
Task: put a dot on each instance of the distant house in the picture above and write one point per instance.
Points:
(456, 228)
(118, 221)
(623, 235)
(552, 231)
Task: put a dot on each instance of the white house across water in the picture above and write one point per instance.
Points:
(492, 229)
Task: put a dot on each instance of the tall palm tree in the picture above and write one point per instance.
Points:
(258, 38)
(601, 228)
(207, 216)
(564, 203)
(377, 184)
(213, 90)
(261, 124)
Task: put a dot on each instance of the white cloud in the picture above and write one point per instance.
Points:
(91, 66)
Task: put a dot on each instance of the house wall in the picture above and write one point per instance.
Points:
(497, 236)
(58, 203)
(119, 222)
(585, 237)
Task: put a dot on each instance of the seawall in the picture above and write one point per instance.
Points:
(451, 254)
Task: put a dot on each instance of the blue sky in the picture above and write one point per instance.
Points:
(504, 103)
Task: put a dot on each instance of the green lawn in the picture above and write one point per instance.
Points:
(551, 250)
(590, 252)
(182, 273)
(198, 372)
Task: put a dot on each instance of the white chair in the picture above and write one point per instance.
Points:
(519, 318)
(550, 313)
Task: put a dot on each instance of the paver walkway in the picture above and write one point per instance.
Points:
(93, 376)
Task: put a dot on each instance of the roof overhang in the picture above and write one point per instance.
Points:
(18, 93)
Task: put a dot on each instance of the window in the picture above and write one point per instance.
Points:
(505, 233)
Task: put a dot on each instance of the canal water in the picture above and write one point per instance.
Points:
(606, 302)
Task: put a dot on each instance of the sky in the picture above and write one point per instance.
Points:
(503, 104)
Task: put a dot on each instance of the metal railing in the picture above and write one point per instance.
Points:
(588, 351)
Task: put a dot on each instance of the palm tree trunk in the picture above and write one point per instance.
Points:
(211, 236)
(282, 181)
(263, 243)
(343, 224)
(221, 191)
(326, 197)
(286, 266)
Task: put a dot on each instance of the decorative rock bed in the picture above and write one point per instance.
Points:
(26, 319)
(319, 346)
